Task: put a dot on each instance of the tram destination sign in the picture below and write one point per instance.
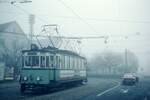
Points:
(32, 53)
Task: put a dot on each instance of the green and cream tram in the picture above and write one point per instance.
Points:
(50, 67)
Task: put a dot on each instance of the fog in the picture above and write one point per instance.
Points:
(125, 22)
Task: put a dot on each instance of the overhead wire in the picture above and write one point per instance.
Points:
(28, 13)
(78, 16)
(83, 19)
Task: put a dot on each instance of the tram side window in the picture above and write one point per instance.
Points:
(35, 61)
(32, 61)
(63, 61)
(78, 67)
(47, 61)
(22, 61)
(57, 61)
(83, 64)
(28, 61)
(52, 61)
(42, 61)
(68, 67)
(74, 66)
(68, 62)
(75, 63)
(80, 63)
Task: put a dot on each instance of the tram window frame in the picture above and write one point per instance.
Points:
(69, 62)
(82, 64)
(77, 67)
(78, 63)
(23, 62)
(47, 61)
(52, 61)
(57, 61)
(34, 62)
(61, 64)
(73, 62)
(42, 63)
(30, 63)
(60, 61)
(72, 66)
(63, 61)
(66, 62)
(27, 62)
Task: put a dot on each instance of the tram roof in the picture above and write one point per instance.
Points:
(54, 51)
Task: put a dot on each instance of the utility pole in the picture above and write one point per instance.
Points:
(126, 59)
(31, 26)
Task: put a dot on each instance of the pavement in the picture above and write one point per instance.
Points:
(95, 89)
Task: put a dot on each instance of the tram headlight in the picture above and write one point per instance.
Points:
(38, 78)
(25, 78)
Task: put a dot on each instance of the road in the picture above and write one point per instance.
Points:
(139, 91)
(95, 89)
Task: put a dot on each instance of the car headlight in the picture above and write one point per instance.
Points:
(25, 78)
(38, 78)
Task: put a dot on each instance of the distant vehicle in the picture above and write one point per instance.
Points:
(136, 76)
(129, 79)
(51, 67)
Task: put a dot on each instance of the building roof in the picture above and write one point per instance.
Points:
(15, 28)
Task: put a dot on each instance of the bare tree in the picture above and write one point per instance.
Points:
(113, 63)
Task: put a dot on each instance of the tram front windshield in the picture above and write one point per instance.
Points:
(37, 61)
(31, 61)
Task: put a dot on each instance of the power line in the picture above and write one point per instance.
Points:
(103, 19)
(66, 37)
(28, 13)
(78, 16)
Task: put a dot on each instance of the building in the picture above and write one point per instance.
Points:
(10, 33)
(12, 41)
(2, 70)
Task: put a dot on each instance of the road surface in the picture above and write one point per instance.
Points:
(95, 89)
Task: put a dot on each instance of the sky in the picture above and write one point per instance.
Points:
(125, 22)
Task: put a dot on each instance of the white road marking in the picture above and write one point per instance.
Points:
(100, 94)
(125, 91)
